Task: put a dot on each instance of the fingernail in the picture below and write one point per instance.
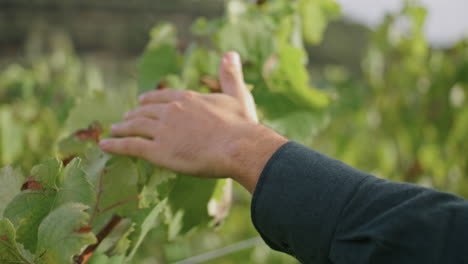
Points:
(126, 115)
(114, 126)
(141, 97)
(235, 58)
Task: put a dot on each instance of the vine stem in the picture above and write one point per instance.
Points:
(136, 197)
(98, 199)
(105, 231)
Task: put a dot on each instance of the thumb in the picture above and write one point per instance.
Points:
(232, 82)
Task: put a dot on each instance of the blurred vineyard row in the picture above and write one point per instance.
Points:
(404, 118)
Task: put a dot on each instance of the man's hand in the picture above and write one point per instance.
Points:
(212, 135)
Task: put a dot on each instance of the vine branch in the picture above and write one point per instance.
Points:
(98, 199)
(105, 231)
(136, 197)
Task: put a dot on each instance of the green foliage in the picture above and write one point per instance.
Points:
(84, 191)
(60, 235)
(408, 109)
(188, 213)
(35, 100)
(155, 64)
(148, 223)
(120, 171)
(411, 109)
(47, 173)
(26, 212)
(315, 16)
(104, 259)
(11, 184)
(10, 250)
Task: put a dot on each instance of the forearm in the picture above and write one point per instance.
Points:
(323, 211)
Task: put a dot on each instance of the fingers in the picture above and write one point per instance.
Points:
(231, 76)
(232, 82)
(138, 127)
(152, 111)
(138, 147)
(160, 96)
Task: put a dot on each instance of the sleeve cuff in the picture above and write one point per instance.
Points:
(298, 199)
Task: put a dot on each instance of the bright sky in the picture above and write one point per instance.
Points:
(447, 21)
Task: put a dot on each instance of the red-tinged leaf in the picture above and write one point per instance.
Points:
(259, 2)
(32, 184)
(105, 231)
(93, 132)
(181, 46)
(413, 172)
(212, 83)
(68, 159)
(161, 85)
(4, 238)
(85, 229)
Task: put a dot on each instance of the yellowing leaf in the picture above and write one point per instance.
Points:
(10, 185)
(10, 251)
(59, 238)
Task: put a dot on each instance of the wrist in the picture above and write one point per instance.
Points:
(250, 152)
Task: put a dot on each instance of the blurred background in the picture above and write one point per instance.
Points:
(399, 108)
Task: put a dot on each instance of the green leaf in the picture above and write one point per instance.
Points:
(26, 212)
(100, 258)
(148, 223)
(193, 204)
(11, 136)
(157, 188)
(204, 27)
(121, 171)
(299, 126)
(117, 242)
(221, 200)
(155, 64)
(123, 243)
(250, 36)
(59, 236)
(47, 172)
(291, 78)
(315, 16)
(105, 108)
(11, 181)
(94, 162)
(162, 34)
(10, 251)
(145, 170)
(71, 147)
(75, 186)
(199, 62)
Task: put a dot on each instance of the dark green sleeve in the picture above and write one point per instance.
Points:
(321, 210)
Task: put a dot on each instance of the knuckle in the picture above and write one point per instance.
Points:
(148, 96)
(187, 95)
(175, 107)
(244, 114)
(129, 115)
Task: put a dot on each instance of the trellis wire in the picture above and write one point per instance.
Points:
(252, 242)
